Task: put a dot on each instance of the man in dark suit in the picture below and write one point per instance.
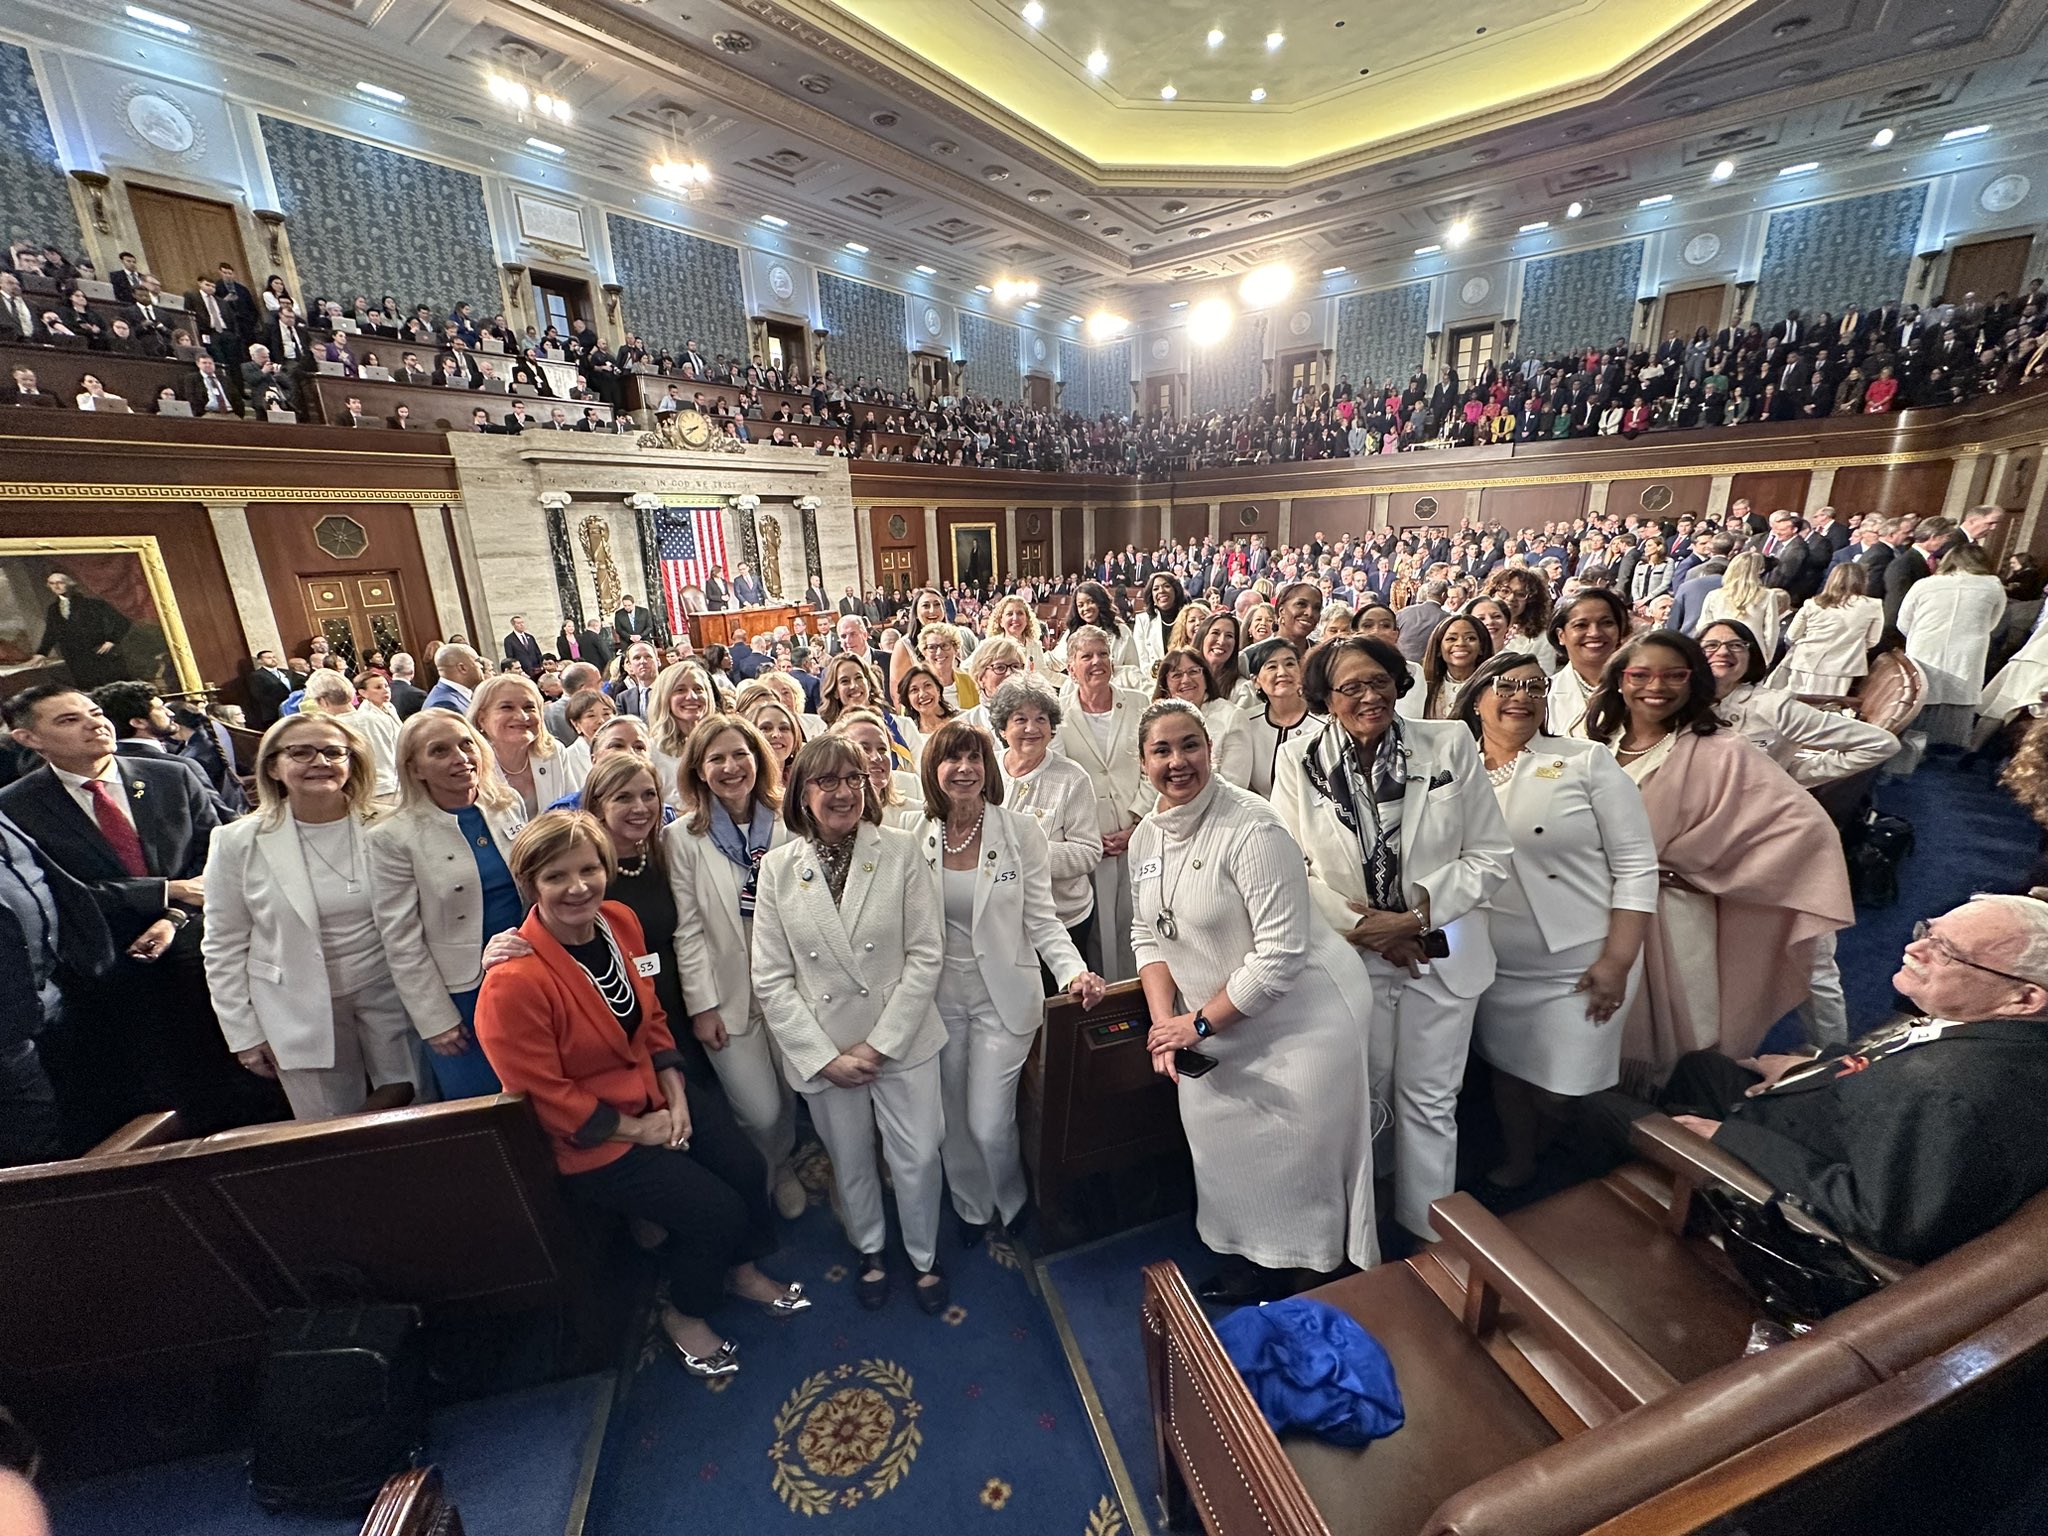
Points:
(20, 317)
(26, 391)
(126, 279)
(631, 623)
(143, 728)
(290, 341)
(1786, 556)
(522, 647)
(1690, 596)
(407, 697)
(747, 590)
(1920, 1135)
(269, 685)
(215, 323)
(635, 691)
(1914, 564)
(814, 595)
(850, 603)
(85, 631)
(135, 831)
(1418, 621)
(238, 302)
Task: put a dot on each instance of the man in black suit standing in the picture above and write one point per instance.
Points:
(850, 603)
(522, 647)
(209, 390)
(1914, 564)
(135, 831)
(407, 697)
(20, 320)
(238, 302)
(85, 631)
(631, 623)
(747, 590)
(126, 278)
(269, 685)
(1786, 556)
(814, 595)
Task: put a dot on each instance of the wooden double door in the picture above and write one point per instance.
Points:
(183, 236)
(357, 612)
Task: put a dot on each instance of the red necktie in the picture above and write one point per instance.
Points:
(116, 828)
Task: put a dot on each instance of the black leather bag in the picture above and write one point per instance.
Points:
(343, 1407)
(1799, 1277)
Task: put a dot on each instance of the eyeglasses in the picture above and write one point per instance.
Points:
(1642, 677)
(1000, 668)
(832, 783)
(1381, 686)
(1528, 687)
(1923, 933)
(1715, 647)
(305, 754)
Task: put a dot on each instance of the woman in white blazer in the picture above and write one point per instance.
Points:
(1184, 675)
(731, 788)
(1099, 731)
(895, 791)
(1829, 641)
(1568, 923)
(1405, 848)
(847, 950)
(1152, 630)
(683, 695)
(510, 715)
(443, 889)
(991, 874)
(293, 960)
(1055, 792)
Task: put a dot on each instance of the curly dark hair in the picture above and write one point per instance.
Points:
(1607, 711)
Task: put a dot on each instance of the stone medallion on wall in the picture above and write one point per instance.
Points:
(780, 283)
(2005, 193)
(1161, 347)
(934, 322)
(1038, 349)
(1299, 322)
(1701, 249)
(1475, 291)
(156, 120)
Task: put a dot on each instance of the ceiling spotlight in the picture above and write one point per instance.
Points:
(1801, 168)
(1209, 322)
(1258, 93)
(508, 93)
(1722, 170)
(1654, 202)
(774, 222)
(164, 23)
(1333, 271)
(1575, 210)
(1881, 138)
(1098, 61)
(1268, 285)
(1104, 326)
(1957, 135)
(927, 271)
(1215, 37)
(544, 146)
(1033, 13)
(1178, 304)
(380, 93)
(856, 247)
(1274, 40)
(1167, 93)
(1427, 250)
(1073, 319)
(983, 288)
(1459, 232)
(682, 177)
(1535, 228)
(1010, 289)
(1033, 304)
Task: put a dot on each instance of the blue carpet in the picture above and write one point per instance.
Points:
(889, 1421)
(510, 1462)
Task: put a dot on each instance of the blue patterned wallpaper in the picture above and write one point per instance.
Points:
(1232, 372)
(678, 287)
(37, 201)
(1382, 336)
(1855, 251)
(1096, 379)
(991, 350)
(866, 326)
(370, 220)
(1580, 299)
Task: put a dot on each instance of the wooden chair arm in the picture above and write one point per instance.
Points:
(151, 1130)
(1501, 1267)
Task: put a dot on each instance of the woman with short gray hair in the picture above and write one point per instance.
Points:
(1053, 790)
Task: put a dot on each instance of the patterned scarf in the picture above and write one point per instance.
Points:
(838, 861)
(745, 849)
(1340, 773)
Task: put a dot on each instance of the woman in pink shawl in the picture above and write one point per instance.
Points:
(1752, 870)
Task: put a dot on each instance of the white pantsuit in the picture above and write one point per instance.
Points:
(1121, 797)
(714, 963)
(269, 974)
(992, 1004)
(1058, 795)
(1454, 856)
(866, 969)
(1583, 849)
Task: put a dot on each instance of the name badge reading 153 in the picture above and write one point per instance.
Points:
(1149, 870)
(647, 965)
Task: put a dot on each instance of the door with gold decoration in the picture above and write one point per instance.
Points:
(356, 613)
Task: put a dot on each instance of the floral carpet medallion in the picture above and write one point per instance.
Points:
(845, 1436)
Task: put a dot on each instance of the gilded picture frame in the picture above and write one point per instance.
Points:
(977, 556)
(121, 572)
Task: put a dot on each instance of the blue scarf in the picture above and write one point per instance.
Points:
(744, 849)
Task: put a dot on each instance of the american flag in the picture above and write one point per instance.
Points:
(690, 543)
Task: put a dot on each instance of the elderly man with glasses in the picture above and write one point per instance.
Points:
(1921, 1135)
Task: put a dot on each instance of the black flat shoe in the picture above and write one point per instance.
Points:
(1015, 1228)
(871, 1294)
(971, 1233)
(932, 1299)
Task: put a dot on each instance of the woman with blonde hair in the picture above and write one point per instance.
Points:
(927, 614)
(442, 888)
(895, 792)
(1193, 615)
(1012, 618)
(1743, 596)
(848, 683)
(294, 963)
(994, 662)
(683, 695)
(1829, 641)
(510, 714)
(767, 709)
(945, 648)
(1948, 619)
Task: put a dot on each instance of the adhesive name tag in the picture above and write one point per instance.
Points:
(1149, 870)
(1550, 771)
(647, 965)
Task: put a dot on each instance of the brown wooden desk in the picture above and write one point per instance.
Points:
(433, 408)
(739, 624)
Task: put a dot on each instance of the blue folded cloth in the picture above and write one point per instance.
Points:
(1313, 1369)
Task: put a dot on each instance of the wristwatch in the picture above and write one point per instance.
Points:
(1203, 1028)
(177, 917)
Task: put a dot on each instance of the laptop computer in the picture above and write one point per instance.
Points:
(348, 326)
(372, 424)
(174, 408)
(187, 354)
(334, 370)
(104, 292)
(490, 344)
(289, 418)
(112, 405)
(494, 386)
(376, 373)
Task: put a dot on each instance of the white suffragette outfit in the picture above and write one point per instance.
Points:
(1827, 649)
(1418, 824)
(1280, 1130)
(999, 923)
(1106, 748)
(1582, 850)
(714, 877)
(832, 973)
(1267, 739)
(294, 961)
(1565, 715)
(1948, 621)
(1230, 744)
(1058, 795)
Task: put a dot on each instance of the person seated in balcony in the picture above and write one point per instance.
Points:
(27, 391)
(1918, 1136)
(95, 396)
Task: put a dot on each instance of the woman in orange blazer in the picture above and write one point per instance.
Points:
(575, 1026)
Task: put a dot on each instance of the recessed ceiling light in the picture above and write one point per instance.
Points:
(1274, 40)
(1530, 229)
(1427, 250)
(380, 93)
(1258, 93)
(1215, 37)
(774, 222)
(162, 22)
(1034, 304)
(1722, 170)
(1167, 93)
(1074, 319)
(856, 247)
(1957, 135)
(1801, 168)
(1033, 13)
(983, 288)
(1178, 304)
(545, 147)
(1333, 271)
(927, 271)
(1575, 210)
(1654, 202)
(1881, 138)
(1459, 232)
(1098, 61)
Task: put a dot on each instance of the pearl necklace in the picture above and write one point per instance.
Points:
(613, 984)
(973, 832)
(1499, 776)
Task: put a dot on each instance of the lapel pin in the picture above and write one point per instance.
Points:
(808, 876)
(867, 869)
(138, 786)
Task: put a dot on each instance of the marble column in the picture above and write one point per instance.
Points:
(1286, 530)
(237, 545)
(1090, 547)
(1216, 521)
(1382, 510)
(1058, 542)
(1010, 542)
(2030, 517)
(1719, 489)
(442, 562)
(934, 572)
(1962, 481)
(1596, 499)
(1820, 485)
